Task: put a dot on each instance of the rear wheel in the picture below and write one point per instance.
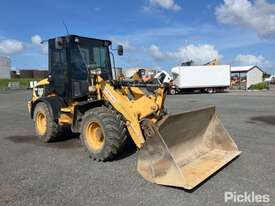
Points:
(103, 133)
(45, 126)
(173, 91)
(211, 90)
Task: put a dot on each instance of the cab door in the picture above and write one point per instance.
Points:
(58, 70)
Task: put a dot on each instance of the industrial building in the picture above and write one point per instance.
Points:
(5, 67)
(242, 77)
(33, 73)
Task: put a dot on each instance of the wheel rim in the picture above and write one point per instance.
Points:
(41, 123)
(94, 136)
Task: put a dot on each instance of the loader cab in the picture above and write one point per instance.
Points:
(70, 60)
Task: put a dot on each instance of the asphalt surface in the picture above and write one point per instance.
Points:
(33, 173)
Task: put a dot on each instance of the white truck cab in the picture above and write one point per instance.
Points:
(163, 77)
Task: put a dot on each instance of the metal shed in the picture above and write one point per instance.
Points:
(242, 77)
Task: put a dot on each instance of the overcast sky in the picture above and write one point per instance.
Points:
(155, 33)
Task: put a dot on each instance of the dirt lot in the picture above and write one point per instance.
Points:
(32, 173)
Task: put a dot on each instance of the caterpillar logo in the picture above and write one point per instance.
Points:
(39, 91)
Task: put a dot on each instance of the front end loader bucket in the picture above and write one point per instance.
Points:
(185, 149)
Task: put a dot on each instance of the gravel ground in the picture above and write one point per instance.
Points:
(33, 173)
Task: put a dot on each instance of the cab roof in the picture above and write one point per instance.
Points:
(72, 36)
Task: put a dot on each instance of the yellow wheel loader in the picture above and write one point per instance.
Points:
(83, 93)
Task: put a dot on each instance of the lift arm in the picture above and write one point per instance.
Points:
(134, 109)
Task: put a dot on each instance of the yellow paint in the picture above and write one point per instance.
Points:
(134, 110)
(136, 77)
(41, 123)
(43, 82)
(39, 84)
(94, 136)
(213, 62)
(65, 118)
(70, 108)
(67, 113)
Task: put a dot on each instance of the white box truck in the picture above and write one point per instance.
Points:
(209, 79)
(202, 78)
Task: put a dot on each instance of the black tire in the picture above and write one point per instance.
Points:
(51, 130)
(113, 129)
(211, 90)
(173, 92)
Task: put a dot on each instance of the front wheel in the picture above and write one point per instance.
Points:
(103, 133)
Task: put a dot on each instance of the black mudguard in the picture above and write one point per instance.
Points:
(54, 104)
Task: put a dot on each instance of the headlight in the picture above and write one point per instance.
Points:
(95, 71)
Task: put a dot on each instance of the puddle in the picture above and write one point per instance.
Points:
(71, 143)
(269, 119)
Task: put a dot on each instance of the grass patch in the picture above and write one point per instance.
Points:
(23, 83)
(259, 86)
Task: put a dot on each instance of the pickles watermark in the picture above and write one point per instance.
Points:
(246, 197)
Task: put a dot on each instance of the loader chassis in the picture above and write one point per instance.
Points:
(73, 65)
(82, 95)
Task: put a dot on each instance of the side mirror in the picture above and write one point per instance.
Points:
(120, 50)
(59, 43)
